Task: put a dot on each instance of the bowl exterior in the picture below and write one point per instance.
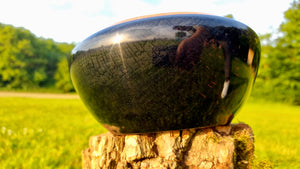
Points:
(166, 72)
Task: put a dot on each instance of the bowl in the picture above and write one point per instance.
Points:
(166, 72)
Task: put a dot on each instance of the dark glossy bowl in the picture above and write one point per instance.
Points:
(166, 72)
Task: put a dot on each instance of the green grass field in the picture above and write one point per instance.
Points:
(44, 133)
(51, 133)
(277, 132)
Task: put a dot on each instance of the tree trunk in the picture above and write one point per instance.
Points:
(206, 148)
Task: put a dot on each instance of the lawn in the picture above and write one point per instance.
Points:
(277, 132)
(51, 133)
(44, 133)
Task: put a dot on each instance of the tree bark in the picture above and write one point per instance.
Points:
(218, 147)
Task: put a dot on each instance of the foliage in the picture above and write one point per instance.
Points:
(279, 74)
(62, 77)
(229, 16)
(27, 61)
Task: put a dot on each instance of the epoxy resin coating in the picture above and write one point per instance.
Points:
(166, 72)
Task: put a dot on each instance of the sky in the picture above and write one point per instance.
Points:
(74, 20)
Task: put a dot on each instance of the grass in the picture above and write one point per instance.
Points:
(44, 133)
(33, 90)
(277, 133)
(51, 133)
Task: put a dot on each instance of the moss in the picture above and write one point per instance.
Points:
(263, 164)
(214, 138)
(244, 148)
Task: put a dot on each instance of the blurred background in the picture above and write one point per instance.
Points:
(43, 123)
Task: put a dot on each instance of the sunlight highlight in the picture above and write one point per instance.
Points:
(118, 39)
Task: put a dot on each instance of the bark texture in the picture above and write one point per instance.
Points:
(220, 147)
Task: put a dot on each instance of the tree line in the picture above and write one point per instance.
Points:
(279, 74)
(27, 61)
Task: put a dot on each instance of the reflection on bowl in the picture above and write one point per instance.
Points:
(167, 72)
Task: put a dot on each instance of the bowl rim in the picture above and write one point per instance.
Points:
(159, 14)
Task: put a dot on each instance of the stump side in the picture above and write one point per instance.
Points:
(206, 148)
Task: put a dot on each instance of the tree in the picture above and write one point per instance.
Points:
(27, 61)
(229, 16)
(15, 46)
(279, 76)
(62, 75)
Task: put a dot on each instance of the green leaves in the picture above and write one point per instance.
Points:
(27, 61)
(62, 77)
(279, 74)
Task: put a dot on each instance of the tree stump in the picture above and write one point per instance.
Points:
(206, 148)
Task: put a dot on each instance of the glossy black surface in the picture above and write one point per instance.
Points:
(166, 72)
